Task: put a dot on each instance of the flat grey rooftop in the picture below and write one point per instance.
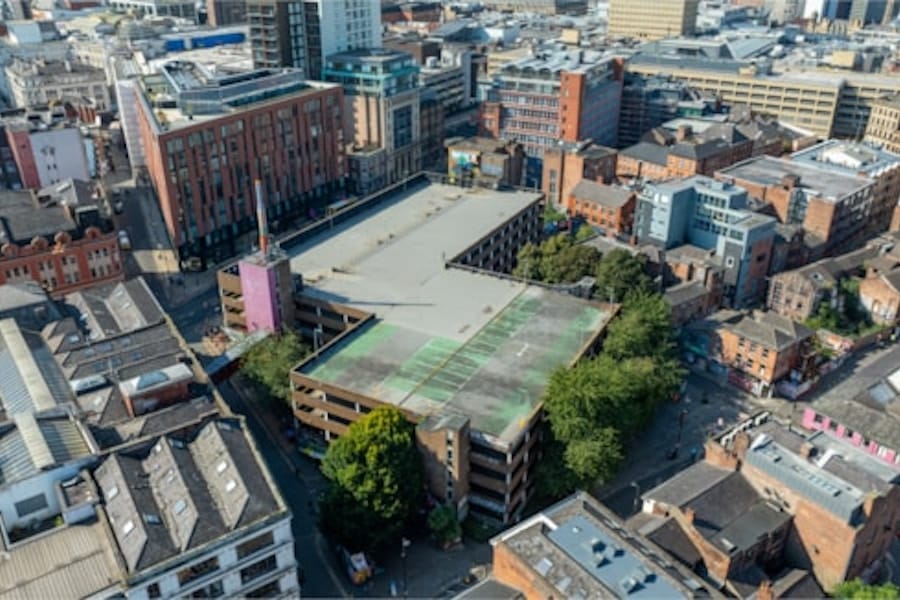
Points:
(445, 339)
(583, 551)
(830, 184)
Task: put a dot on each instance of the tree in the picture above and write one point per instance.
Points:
(269, 363)
(375, 481)
(643, 328)
(600, 402)
(556, 260)
(857, 590)
(620, 274)
(444, 524)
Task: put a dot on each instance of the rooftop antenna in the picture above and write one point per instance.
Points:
(262, 221)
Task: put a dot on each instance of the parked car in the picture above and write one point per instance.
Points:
(124, 240)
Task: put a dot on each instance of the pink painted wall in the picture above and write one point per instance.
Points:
(841, 431)
(260, 304)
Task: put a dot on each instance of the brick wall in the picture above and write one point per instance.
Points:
(511, 571)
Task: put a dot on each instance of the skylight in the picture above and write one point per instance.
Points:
(179, 507)
(113, 492)
(127, 527)
(229, 487)
(221, 467)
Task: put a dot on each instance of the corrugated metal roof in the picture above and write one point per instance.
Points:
(30, 380)
(15, 462)
(35, 444)
(72, 562)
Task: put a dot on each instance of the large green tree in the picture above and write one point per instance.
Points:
(556, 260)
(269, 363)
(643, 328)
(619, 274)
(593, 407)
(857, 590)
(375, 481)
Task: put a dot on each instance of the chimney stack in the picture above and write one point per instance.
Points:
(807, 450)
(683, 133)
(765, 591)
(262, 221)
(689, 515)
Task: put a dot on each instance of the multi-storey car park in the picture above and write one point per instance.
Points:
(406, 310)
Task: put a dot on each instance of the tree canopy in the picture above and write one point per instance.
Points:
(269, 363)
(375, 481)
(857, 590)
(558, 259)
(619, 274)
(595, 406)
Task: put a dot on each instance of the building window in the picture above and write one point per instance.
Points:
(258, 569)
(153, 590)
(213, 590)
(194, 572)
(254, 545)
(31, 505)
(267, 591)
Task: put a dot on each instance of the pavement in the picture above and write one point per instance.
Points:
(430, 570)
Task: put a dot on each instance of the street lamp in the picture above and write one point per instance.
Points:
(404, 544)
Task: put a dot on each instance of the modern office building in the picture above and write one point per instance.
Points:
(303, 33)
(334, 26)
(833, 207)
(543, 7)
(222, 13)
(651, 20)
(648, 102)
(883, 127)
(56, 238)
(554, 96)
(381, 115)
(207, 138)
(278, 34)
(40, 82)
(465, 354)
(863, 160)
(824, 102)
(184, 9)
(715, 215)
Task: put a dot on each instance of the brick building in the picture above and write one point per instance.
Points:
(207, 138)
(832, 207)
(605, 207)
(45, 147)
(796, 294)
(479, 443)
(567, 163)
(843, 502)
(863, 160)
(754, 350)
(695, 280)
(662, 154)
(541, 100)
(880, 295)
(484, 162)
(577, 548)
(56, 238)
(770, 504)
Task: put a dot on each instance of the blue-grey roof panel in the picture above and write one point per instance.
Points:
(618, 568)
